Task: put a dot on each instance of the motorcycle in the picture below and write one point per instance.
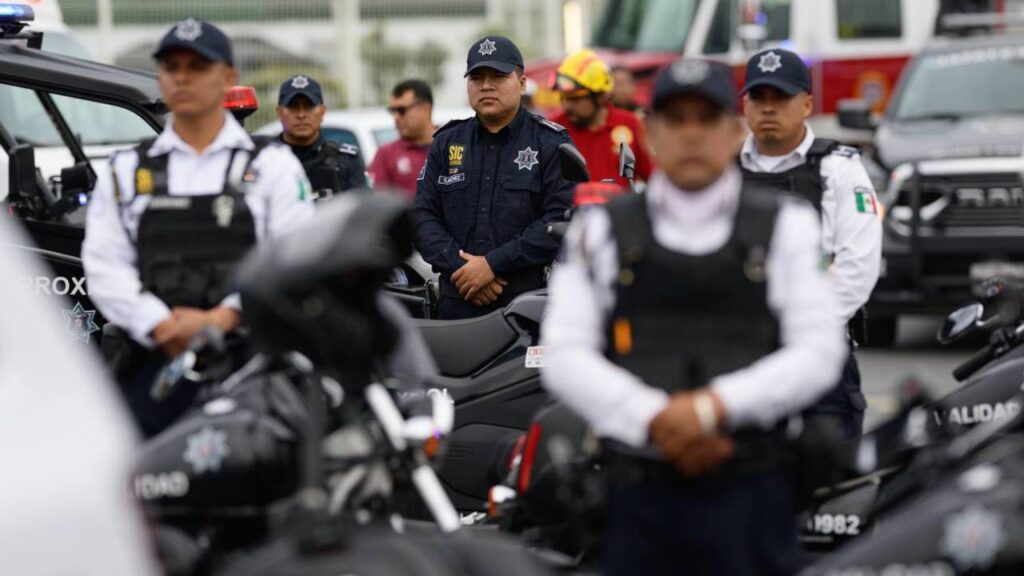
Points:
(552, 493)
(299, 461)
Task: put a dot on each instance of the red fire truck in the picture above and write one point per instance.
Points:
(856, 48)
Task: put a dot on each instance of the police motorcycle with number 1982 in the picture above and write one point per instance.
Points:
(552, 494)
(298, 462)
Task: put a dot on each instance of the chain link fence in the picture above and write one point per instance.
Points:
(357, 49)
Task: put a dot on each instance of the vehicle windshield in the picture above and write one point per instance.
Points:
(60, 43)
(946, 86)
(646, 25)
(384, 136)
(23, 115)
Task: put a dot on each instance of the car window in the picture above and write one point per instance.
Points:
(646, 25)
(340, 135)
(384, 136)
(858, 19)
(776, 16)
(720, 33)
(93, 123)
(946, 85)
(96, 124)
(24, 117)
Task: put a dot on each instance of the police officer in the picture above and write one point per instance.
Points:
(782, 152)
(684, 325)
(331, 167)
(171, 217)
(489, 188)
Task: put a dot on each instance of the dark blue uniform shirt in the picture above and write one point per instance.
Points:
(492, 195)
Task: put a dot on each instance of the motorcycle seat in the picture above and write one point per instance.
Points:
(461, 347)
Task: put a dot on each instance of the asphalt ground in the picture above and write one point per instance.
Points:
(915, 354)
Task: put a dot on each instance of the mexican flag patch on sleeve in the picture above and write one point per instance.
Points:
(865, 198)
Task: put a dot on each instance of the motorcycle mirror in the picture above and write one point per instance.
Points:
(574, 166)
(960, 322)
(627, 161)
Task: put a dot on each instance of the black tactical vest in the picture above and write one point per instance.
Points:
(804, 180)
(681, 320)
(188, 245)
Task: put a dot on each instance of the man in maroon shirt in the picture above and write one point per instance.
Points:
(398, 163)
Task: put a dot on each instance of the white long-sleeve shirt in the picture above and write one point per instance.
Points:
(279, 200)
(616, 403)
(851, 228)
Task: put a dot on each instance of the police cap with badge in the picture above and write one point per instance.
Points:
(689, 76)
(779, 69)
(300, 85)
(495, 52)
(200, 37)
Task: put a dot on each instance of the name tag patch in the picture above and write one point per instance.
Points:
(170, 203)
(449, 180)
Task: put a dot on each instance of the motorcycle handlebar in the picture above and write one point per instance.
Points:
(974, 363)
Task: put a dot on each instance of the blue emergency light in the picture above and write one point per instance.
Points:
(11, 13)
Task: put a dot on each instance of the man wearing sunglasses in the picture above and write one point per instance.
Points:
(332, 167)
(597, 127)
(397, 163)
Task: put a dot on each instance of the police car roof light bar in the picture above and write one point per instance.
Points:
(14, 17)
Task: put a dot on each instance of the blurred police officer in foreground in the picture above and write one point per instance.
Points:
(685, 324)
(171, 217)
(489, 188)
(782, 152)
(330, 166)
(397, 164)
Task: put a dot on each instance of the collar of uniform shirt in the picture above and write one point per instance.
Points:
(693, 208)
(751, 155)
(231, 135)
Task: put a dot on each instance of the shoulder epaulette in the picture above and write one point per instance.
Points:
(847, 151)
(349, 149)
(555, 126)
(450, 124)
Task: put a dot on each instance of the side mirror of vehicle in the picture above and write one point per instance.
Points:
(21, 172)
(752, 36)
(960, 322)
(627, 161)
(574, 166)
(241, 101)
(855, 114)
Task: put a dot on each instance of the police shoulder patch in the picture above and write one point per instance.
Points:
(343, 148)
(847, 151)
(554, 126)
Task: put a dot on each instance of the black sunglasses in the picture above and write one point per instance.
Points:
(401, 110)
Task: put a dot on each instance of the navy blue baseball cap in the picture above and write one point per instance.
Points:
(779, 68)
(200, 37)
(710, 80)
(300, 85)
(495, 52)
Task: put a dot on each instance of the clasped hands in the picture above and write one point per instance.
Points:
(677, 433)
(476, 281)
(174, 334)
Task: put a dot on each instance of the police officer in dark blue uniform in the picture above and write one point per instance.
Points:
(490, 186)
(332, 167)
